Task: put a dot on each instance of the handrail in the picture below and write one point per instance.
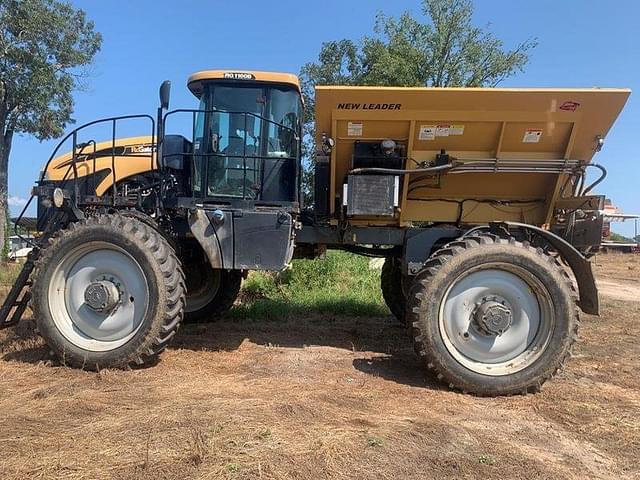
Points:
(15, 227)
(73, 134)
(95, 122)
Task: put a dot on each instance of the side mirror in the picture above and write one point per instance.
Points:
(165, 93)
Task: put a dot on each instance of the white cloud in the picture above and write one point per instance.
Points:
(17, 201)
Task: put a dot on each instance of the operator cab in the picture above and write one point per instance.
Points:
(246, 139)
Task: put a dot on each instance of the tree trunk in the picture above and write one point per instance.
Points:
(5, 150)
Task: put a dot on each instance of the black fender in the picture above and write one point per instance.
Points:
(203, 230)
(581, 267)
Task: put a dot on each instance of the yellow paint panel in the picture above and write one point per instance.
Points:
(139, 159)
(483, 135)
(553, 138)
(195, 81)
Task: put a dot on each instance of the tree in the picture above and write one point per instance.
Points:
(44, 45)
(616, 237)
(4, 251)
(443, 49)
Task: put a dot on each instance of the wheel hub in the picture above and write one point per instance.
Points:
(493, 316)
(102, 296)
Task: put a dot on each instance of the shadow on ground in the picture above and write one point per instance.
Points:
(382, 341)
(401, 367)
(382, 334)
(22, 343)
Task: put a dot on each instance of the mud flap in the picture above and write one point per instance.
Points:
(204, 232)
(581, 267)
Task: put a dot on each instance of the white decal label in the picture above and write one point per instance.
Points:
(532, 135)
(427, 132)
(239, 76)
(456, 130)
(442, 130)
(354, 129)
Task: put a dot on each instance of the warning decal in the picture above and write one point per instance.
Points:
(569, 106)
(354, 129)
(442, 130)
(427, 132)
(532, 135)
(456, 130)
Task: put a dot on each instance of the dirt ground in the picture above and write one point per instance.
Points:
(322, 397)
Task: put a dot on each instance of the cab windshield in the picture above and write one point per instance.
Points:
(246, 145)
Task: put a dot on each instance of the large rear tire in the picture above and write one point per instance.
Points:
(210, 292)
(492, 316)
(108, 292)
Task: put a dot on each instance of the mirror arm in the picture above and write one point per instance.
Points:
(164, 93)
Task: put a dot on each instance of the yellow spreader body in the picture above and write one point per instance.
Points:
(511, 149)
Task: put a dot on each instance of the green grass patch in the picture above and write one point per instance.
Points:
(340, 284)
(8, 273)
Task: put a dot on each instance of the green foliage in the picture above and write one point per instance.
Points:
(442, 48)
(44, 44)
(340, 283)
(486, 459)
(374, 441)
(233, 467)
(8, 274)
(616, 237)
(447, 51)
(4, 252)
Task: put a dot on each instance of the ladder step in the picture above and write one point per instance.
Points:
(13, 300)
(25, 299)
(20, 307)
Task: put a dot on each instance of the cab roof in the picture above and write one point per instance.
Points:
(196, 80)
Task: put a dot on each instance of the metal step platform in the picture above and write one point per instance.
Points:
(18, 299)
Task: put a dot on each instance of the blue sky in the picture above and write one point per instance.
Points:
(583, 43)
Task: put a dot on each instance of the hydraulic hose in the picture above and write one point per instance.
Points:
(597, 182)
(479, 166)
(393, 171)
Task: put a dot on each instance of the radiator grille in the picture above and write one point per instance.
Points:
(372, 195)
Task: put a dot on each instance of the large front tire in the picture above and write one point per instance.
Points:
(492, 316)
(108, 292)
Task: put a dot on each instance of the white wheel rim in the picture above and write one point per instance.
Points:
(202, 296)
(83, 326)
(487, 352)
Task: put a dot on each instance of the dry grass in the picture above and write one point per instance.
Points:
(317, 397)
(620, 266)
(8, 272)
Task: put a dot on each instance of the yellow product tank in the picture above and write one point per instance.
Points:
(511, 152)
